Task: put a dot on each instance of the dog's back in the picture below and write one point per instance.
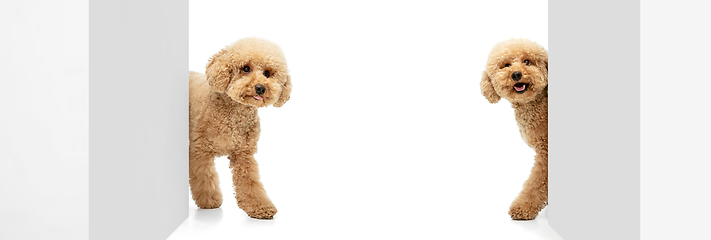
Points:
(199, 88)
(198, 83)
(199, 94)
(194, 75)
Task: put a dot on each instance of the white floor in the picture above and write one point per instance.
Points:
(347, 170)
(339, 210)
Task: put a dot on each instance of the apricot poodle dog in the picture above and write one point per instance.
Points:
(249, 74)
(517, 70)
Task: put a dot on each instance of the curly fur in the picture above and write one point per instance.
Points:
(224, 121)
(531, 110)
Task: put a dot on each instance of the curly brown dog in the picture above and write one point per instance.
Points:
(242, 77)
(517, 70)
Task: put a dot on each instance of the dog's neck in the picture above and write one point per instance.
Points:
(541, 98)
(221, 100)
(534, 112)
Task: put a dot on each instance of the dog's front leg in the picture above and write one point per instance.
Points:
(204, 183)
(250, 194)
(534, 195)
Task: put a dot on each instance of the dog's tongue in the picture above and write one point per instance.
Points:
(523, 86)
(257, 97)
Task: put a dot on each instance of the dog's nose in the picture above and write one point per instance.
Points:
(260, 89)
(516, 75)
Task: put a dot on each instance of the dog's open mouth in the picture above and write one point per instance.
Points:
(258, 97)
(520, 87)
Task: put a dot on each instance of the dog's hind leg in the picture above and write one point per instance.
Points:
(250, 194)
(204, 183)
(534, 195)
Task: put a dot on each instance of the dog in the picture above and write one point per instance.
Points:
(517, 70)
(242, 77)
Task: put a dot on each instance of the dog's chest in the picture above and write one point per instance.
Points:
(223, 140)
(532, 122)
(234, 131)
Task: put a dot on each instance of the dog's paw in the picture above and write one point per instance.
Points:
(261, 212)
(208, 200)
(522, 211)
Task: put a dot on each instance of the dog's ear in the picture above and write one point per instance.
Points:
(285, 92)
(546, 71)
(487, 89)
(219, 70)
(545, 64)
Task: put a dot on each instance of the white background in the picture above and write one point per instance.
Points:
(386, 131)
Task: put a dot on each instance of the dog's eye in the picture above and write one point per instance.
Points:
(266, 73)
(507, 65)
(246, 69)
(527, 62)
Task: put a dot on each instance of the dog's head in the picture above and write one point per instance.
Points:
(251, 71)
(517, 70)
